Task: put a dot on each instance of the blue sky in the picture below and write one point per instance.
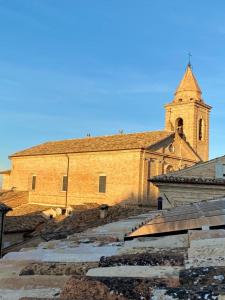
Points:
(68, 68)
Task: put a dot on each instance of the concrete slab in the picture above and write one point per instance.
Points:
(205, 234)
(6, 294)
(82, 253)
(206, 251)
(208, 242)
(136, 272)
(13, 286)
(166, 242)
(205, 262)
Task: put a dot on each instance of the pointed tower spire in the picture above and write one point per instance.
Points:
(188, 89)
(188, 115)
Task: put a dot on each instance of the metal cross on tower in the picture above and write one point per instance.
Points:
(189, 59)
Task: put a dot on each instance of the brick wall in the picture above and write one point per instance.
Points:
(121, 169)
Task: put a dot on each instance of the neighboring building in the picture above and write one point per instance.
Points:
(115, 169)
(204, 181)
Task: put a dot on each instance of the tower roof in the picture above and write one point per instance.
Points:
(189, 85)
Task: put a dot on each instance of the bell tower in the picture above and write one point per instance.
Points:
(188, 114)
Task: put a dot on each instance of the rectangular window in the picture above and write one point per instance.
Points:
(33, 184)
(102, 184)
(64, 183)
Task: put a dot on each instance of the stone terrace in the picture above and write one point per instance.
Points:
(98, 264)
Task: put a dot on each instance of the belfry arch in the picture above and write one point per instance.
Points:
(179, 125)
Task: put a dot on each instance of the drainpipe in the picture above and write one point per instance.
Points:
(141, 177)
(149, 171)
(67, 174)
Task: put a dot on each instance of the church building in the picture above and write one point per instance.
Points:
(115, 169)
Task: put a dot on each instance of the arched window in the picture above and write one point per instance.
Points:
(179, 126)
(200, 130)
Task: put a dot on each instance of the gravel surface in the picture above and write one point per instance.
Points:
(57, 268)
(83, 288)
(161, 258)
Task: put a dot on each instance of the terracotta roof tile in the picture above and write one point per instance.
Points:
(23, 223)
(14, 198)
(101, 143)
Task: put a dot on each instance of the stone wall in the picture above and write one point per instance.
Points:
(179, 194)
(5, 181)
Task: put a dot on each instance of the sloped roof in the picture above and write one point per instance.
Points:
(188, 83)
(13, 198)
(102, 143)
(187, 179)
(23, 223)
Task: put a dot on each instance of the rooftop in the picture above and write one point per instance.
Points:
(102, 143)
(187, 179)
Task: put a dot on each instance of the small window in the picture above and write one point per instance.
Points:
(64, 183)
(102, 184)
(169, 169)
(171, 148)
(33, 184)
(200, 130)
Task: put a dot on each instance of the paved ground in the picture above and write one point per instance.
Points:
(136, 275)
(88, 246)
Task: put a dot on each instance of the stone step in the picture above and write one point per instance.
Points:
(206, 251)
(14, 288)
(209, 242)
(35, 281)
(204, 262)
(82, 253)
(164, 274)
(205, 234)
(47, 293)
(145, 243)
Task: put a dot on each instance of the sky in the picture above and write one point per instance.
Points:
(68, 68)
